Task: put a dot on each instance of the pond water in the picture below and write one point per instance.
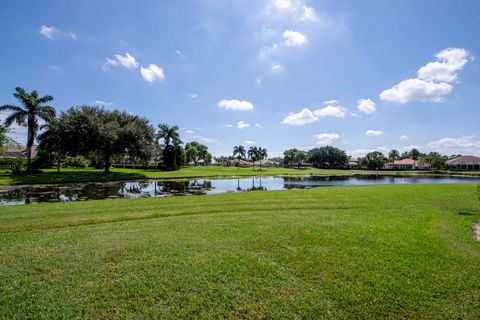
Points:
(140, 189)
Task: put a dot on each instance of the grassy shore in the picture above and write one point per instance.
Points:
(395, 251)
(89, 174)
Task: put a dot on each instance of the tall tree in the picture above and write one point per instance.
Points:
(31, 110)
(239, 153)
(294, 156)
(328, 157)
(172, 144)
(375, 160)
(90, 129)
(300, 157)
(253, 154)
(262, 155)
(196, 151)
(393, 155)
(414, 155)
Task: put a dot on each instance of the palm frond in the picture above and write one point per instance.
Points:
(46, 113)
(10, 108)
(18, 117)
(21, 95)
(45, 99)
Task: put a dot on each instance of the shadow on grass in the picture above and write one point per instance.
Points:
(69, 177)
(465, 214)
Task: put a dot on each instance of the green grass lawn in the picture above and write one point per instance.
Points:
(89, 174)
(392, 251)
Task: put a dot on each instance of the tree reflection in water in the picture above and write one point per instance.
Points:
(86, 191)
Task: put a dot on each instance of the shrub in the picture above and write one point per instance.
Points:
(15, 164)
(74, 162)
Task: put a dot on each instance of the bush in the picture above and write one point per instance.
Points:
(15, 164)
(74, 162)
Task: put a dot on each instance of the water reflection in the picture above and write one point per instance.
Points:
(138, 189)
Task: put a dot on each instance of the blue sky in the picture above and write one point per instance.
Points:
(359, 75)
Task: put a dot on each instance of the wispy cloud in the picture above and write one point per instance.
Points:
(53, 33)
(127, 61)
(242, 125)
(374, 133)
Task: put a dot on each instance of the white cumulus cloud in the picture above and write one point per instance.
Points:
(152, 73)
(404, 137)
(249, 142)
(467, 145)
(434, 80)
(299, 119)
(294, 38)
(234, 104)
(373, 133)
(326, 138)
(366, 106)
(449, 62)
(330, 111)
(306, 115)
(416, 90)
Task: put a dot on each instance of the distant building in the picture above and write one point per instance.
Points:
(267, 163)
(409, 164)
(353, 163)
(464, 163)
(241, 163)
(19, 152)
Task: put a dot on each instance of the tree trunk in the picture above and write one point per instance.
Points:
(175, 159)
(58, 163)
(107, 164)
(29, 143)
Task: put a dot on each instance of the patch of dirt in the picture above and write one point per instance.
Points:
(476, 230)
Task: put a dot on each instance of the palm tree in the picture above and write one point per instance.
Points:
(168, 134)
(393, 155)
(32, 108)
(239, 152)
(253, 154)
(262, 155)
(171, 138)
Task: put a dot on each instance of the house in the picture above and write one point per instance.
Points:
(241, 163)
(19, 152)
(267, 163)
(353, 163)
(409, 164)
(464, 163)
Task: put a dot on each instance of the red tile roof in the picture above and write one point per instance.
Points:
(406, 162)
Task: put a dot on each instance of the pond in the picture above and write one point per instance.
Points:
(141, 189)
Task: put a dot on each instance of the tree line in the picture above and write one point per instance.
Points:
(98, 134)
(106, 136)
